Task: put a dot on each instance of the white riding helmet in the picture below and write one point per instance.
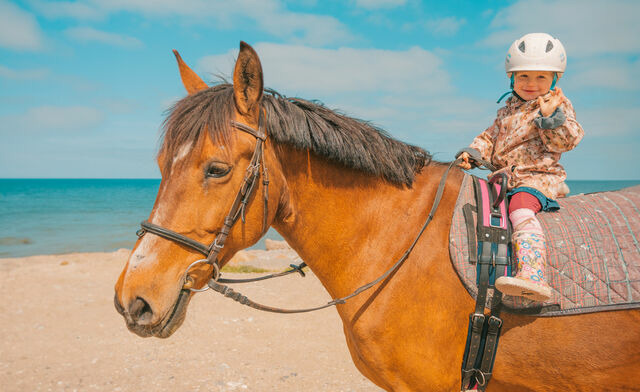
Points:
(536, 52)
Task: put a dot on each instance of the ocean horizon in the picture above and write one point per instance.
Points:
(57, 216)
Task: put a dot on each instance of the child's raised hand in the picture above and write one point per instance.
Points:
(547, 107)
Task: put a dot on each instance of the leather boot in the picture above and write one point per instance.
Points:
(529, 249)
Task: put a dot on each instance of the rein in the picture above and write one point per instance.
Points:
(238, 210)
(236, 296)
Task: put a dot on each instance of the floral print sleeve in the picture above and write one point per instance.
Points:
(565, 136)
(484, 141)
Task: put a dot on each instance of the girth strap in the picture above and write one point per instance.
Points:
(492, 262)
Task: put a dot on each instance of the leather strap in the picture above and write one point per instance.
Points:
(148, 227)
(236, 296)
(476, 159)
(259, 134)
(484, 331)
(467, 212)
(294, 268)
(497, 199)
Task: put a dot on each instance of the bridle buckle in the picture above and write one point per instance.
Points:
(188, 280)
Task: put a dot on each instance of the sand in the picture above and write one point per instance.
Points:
(60, 332)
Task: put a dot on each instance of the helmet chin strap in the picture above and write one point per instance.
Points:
(511, 87)
(553, 84)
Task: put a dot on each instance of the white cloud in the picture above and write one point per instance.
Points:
(445, 117)
(303, 28)
(610, 122)
(585, 27)
(88, 34)
(445, 26)
(54, 118)
(19, 30)
(613, 72)
(120, 106)
(67, 9)
(23, 74)
(301, 69)
(270, 16)
(378, 4)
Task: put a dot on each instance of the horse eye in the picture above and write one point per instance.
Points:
(217, 170)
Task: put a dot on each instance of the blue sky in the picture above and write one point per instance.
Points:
(84, 84)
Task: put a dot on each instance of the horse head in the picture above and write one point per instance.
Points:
(216, 172)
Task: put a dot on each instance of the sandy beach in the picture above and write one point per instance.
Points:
(62, 333)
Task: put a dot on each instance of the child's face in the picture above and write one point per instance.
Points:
(532, 84)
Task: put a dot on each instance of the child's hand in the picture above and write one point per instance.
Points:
(551, 104)
(465, 161)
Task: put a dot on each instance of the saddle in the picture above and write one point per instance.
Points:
(593, 262)
(593, 252)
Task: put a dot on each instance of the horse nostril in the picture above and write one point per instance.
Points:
(117, 304)
(140, 311)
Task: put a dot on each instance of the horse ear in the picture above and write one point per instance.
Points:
(190, 79)
(247, 80)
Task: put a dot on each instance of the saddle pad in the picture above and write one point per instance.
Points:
(593, 253)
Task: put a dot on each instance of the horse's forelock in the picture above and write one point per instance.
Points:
(208, 111)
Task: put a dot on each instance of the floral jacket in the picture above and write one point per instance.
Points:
(527, 146)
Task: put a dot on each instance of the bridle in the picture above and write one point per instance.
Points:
(237, 210)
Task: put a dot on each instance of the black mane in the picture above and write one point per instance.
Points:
(302, 124)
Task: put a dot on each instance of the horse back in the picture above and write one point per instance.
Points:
(593, 253)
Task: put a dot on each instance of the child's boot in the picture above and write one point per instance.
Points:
(529, 249)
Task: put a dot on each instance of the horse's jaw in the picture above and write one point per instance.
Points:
(167, 325)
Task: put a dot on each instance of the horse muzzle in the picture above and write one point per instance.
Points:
(139, 316)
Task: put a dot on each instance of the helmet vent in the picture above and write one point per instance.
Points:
(522, 47)
(549, 46)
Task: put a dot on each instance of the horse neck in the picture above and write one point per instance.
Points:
(346, 225)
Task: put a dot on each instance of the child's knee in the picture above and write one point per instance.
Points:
(524, 219)
(524, 200)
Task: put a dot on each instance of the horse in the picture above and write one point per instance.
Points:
(349, 199)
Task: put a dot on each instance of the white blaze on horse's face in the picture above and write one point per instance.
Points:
(143, 253)
(183, 151)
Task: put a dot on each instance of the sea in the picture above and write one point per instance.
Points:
(57, 216)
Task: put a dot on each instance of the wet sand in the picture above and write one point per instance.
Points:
(60, 332)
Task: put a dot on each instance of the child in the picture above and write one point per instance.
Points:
(525, 142)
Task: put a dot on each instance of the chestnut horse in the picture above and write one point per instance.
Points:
(350, 200)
